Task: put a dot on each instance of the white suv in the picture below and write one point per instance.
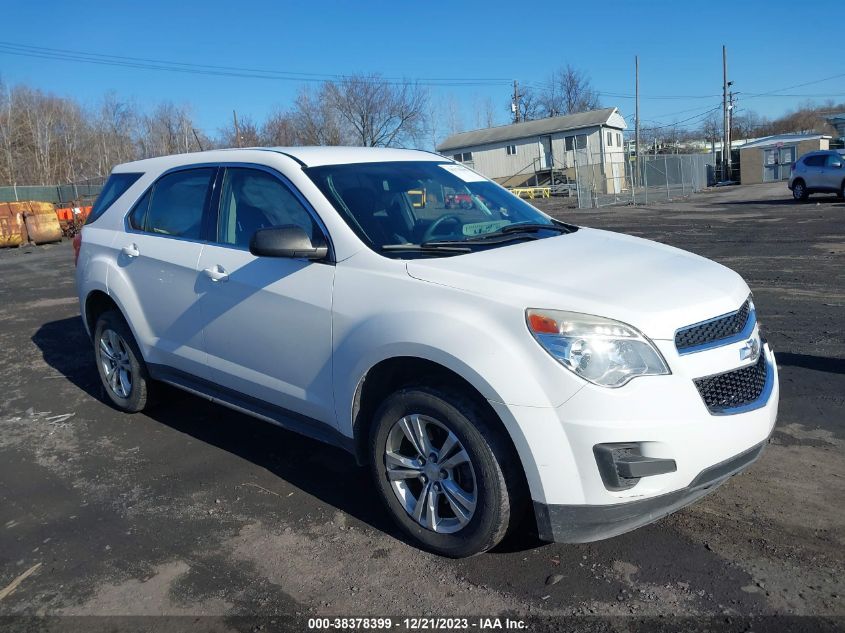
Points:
(482, 361)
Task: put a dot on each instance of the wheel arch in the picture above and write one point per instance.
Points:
(390, 374)
(96, 303)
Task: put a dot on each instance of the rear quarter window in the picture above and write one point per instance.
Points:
(115, 186)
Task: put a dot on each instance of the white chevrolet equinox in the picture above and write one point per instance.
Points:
(488, 363)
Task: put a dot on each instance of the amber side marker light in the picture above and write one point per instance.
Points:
(542, 324)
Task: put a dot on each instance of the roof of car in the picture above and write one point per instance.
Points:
(308, 156)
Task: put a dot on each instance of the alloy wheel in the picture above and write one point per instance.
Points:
(431, 473)
(114, 360)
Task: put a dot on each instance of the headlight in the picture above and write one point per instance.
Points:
(603, 351)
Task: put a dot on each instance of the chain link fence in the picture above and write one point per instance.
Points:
(615, 179)
(83, 192)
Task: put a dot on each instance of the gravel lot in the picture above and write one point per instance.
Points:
(196, 510)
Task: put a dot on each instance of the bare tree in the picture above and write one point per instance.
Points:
(747, 125)
(489, 112)
(568, 91)
(279, 130)
(379, 113)
(711, 128)
(315, 120)
(7, 134)
(114, 133)
(247, 134)
(454, 119)
(168, 130)
(530, 106)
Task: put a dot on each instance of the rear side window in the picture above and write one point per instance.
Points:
(115, 186)
(814, 161)
(138, 215)
(177, 203)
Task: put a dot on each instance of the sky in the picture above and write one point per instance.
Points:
(482, 45)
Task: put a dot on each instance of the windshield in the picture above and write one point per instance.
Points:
(424, 203)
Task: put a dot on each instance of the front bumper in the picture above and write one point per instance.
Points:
(585, 523)
(666, 417)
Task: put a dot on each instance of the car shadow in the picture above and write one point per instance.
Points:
(809, 361)
(61, 343)
(322, 471)
(784, 202)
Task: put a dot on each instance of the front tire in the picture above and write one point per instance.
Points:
(446, 474)
(123, 374)
(799, 191)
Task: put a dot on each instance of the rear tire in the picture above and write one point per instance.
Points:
(464, 496)
(123, 373)
(799, 190)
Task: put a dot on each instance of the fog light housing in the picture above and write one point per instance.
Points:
(622, 465)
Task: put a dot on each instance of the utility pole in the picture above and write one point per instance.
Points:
(517, 115)
(637, 118)
(730, 117)
(237, 129)
(197, 138)
(726, 130)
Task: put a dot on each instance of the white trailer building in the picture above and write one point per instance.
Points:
(537, 152)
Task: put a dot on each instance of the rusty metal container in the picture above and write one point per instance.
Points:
(11, 226)
(42, 224)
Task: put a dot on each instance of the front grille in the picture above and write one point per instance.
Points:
(735, 388)
(714, 330)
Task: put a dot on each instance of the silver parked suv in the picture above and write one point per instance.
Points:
(818, 172)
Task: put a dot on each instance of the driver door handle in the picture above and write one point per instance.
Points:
(130, 250)
(216, 273)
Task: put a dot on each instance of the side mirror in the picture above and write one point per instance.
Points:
(836, 165)
(287, 241)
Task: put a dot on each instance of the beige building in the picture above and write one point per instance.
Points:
(534, 152)
(770, 159)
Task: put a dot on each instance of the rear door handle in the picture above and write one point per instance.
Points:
(130, 250)
(216, 273)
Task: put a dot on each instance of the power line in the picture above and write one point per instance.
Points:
(816, 96)
(692, 118)
(545, 85)
(143, 63)
(801, 85)
(668, 114)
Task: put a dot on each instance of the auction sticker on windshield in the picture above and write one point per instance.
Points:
(480, 228)
(467, 175)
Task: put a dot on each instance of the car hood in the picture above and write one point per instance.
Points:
(654, 287)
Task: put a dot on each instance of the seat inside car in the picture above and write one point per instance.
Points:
(375, 216)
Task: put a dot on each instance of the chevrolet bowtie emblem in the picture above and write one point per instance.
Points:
(751, 349)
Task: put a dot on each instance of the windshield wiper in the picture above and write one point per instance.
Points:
(444, 246)
(532, 227)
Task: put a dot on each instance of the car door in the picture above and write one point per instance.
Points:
(833, 172)
(814, 171)
(268, 331)
(157, 258)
